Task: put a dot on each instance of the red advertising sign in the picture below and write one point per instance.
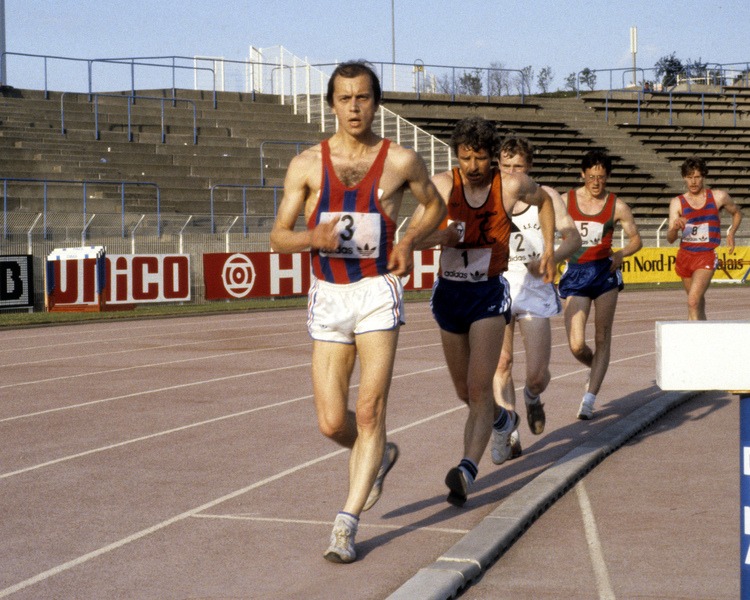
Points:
(255, 275)
(425, 271)
(267, 274)
(130, 279)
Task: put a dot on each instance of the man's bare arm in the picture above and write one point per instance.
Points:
(624, 215)
(571, 239)
(296, 190)
(427, 217)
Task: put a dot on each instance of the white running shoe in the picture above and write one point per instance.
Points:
(341, 549)
(515, 445)
(586, 410)
(501, 440)
(390, 456)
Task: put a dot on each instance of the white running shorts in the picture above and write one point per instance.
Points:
(531, 297)
(337, 312)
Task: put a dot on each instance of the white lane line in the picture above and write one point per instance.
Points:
(603, 585)
(182, 516)
(243, 517)
(150, 436)
(159, 526)
(149, 365)
(143, 438)
(153, 391)
(78, 357)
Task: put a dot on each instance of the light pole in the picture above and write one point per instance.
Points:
(393, 43)
(2, 43)
(634, 49)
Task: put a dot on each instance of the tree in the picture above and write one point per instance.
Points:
(498, 80)
(588, 77)
(470, 83)
(544, 79)
(571, 82)
(668, 67)
(522, 81)
(441, 84)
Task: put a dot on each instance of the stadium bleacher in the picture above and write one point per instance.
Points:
(204, 154)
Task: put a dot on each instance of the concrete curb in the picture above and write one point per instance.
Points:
(465, 561)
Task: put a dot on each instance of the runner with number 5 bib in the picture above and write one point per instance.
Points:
(593, 274)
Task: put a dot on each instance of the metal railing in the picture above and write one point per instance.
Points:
(131, 101)
(673, 98)
(244, 188)
(297, 145)
(45, 183)
(272, 70)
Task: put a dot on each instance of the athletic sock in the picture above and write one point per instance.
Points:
(529, 397)
(469, 468)
(589, 398)
(502, 419)
(353, 519)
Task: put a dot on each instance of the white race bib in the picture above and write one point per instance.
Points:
(465, 264)
(591, 232)
(359, 234)
(695, 234)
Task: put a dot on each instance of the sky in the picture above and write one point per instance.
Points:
(565, 35)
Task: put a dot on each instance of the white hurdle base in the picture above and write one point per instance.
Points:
(703, 355)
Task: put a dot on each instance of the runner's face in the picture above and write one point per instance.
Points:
(354, 104)
(513, 164)
(595, 180)
(475, 165)
(694, 182)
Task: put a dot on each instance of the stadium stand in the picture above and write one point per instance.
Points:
(56, 138)
(228, 155)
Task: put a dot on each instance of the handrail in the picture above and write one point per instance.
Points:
(673, 96)
(244, 187)
(84, 183)
(131, 99)
(716, 73)
(297, 144)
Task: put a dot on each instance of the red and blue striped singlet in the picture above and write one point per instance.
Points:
(366, 232)
(703, 230)
(596, 230)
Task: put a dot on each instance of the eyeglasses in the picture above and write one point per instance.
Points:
(597, 178)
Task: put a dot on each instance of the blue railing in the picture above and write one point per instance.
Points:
(296, 144)
(84, 183)
(244, 188)
(673, 97)
(131, 100)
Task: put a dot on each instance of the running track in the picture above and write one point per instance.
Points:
(180, 458)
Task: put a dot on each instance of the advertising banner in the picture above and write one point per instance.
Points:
(116, 279)
(656, 265)
(16, 281)
(255, 275)
(268, 274)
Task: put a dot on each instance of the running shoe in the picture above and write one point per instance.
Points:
(341, 548)
(501, 440)
(390, 456)
(586, 410)
(535, 416)
(458, 486)
(515, 445)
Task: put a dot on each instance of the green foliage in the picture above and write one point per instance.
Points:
(544, 79)
(668, 68)
(588, 78)
(470, 83)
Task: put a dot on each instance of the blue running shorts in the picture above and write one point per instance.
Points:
(457, 304)
(589, 279)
